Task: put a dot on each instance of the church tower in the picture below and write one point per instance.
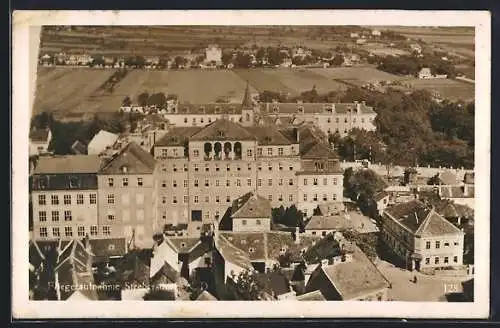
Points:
(247, 108)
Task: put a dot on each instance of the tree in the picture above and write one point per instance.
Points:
(126, 101)
(226, 58)
(159, 99)
(242, 60)
(142, 99)
(248, 288)
(337, 60)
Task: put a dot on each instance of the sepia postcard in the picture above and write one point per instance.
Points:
(278, 163)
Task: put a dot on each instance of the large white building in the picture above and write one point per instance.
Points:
(213, 53)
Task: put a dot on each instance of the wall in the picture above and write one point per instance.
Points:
(251, 224)
(441, 252)
(188, 119)
(307, 190)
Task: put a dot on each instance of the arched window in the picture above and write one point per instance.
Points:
(227, 148)
(217, 150)
(237, 150)
(207, 148)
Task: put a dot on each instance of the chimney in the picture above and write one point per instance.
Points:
(466, 190)
(297, 134)
(358, 107)
(416, 216)
(297, 235)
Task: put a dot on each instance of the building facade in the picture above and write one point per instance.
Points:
(422, 238)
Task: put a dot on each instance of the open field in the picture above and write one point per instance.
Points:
(450, 89)
(77, 89)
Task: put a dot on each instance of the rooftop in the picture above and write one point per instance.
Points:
(68, 164)
(222, 129)
(334, 222)
(177, 136)
(339, 108)
(251, 205)
(39, 135)
(312, 296)
(132, 158)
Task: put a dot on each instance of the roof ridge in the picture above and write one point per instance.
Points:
(266, 250)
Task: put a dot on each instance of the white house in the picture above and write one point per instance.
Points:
(213, 53)
(39, 141)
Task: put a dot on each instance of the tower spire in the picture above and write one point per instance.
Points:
(247, 99)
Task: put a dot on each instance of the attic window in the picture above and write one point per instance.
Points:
(73, 182)
(111, 247)
(184, 110)
(183, 245)
(276, 108)
(42, 182)
(230, 238)
(256, 241)
(221, 133)
(300, 109)
(217, 109)
(251, 249)
(244, 242)
(202, 109)
(267, 139)
(124, 169)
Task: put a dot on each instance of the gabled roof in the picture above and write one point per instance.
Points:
(380, 195)
(268, 136)
(457, 191)
(421, 219)
(318, 150)
(134, 158)
(177, 136)
(222, 129)
(39, 135)
(449, 209)
(102, 140)
(273, 282)
(206, 296)
(232, 254)
(68, 164)
(325, 248)
(105, 248)
(356, 277)
(251, 205)
(164, 253)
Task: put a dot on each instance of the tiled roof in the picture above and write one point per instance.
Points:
(356, 277)
(318, 150)
(222, 129)
(79, 148)
(68, 164)
(102, 140)
(104, 248)
(251, 205)
(211, 108)
(233, 254)
(380, 195)
(266, 136)
(452, 210)
(334, 222)
(134, 158)
(177, 136)
(312, 296)
(421, 220)
(183, 244)
(39, 135)
(309, 108)
(457, 191)
(448, 178)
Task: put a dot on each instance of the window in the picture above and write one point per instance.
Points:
(163, 199)
(269, 151)
(290, 182)
(42, 216)
(68, 216)
(206, 183)
(43, 232)
(354, 120)
(174, 199)
(139, 199)
(217, 199)
(446, 259)
(249, 182)
(244, 222)
(185, 199)
(259, 151)
(280, 151)
(290, 198)
(111, 199)
(259, 182)
(196, 199)
(305, 197)
(270, 167)
(362, 120)
(68, 231)
(174, 183)
(185, 183)
(291, 168)
(238, 182)
(437, 244)
(81, 231)
(164, 153)
(93, 230)
(280, 167)
(249, 152)
(324, 197)
(139, 182)
(315, 181)
(207, 199)
(257, 222)
(427, 245)
(455, 243)
(54, 199)
(67, 199)
(427, 260)
(55, 216)
(325, 181)
(455, 259)
(436, 260)
(174, 168)
(217, 183)
(260, 168)
(328, 120)
(305, 182)
(228, 199)
(196, 153)
(249, 167)
(186, 168)
(446, 244)
(185, 120)
(315, 198)
(270, 182)
(336, 120)
(345, 120)
(334, 196)
(79, 199)
(217, 168)
(228, 167)
(111, 182)
(41, 200)
(314, 232)
(125, 182)
(207, 168)
(139, 215)
(270, 197)
(228, 183)
(334, 181)
(106, 230)
(196, 183)
(56, 232)
(280, 198)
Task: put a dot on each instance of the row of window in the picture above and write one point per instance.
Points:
(315, 197)
(325, 181)
(337, 120)
(67, 199)
(139, 199)
(437, 260)
(125, 182)
(196, 168)
(42, 216)
(245, 222)
(68, 231)
(196, 199)
(238, 183)
(139, 215)
(437, 244)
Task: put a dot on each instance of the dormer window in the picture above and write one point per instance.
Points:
(300, 109)
(217, 110)
(124, 169)
(221, 133)
(201, 109)
(73, 182)
(42, 182)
